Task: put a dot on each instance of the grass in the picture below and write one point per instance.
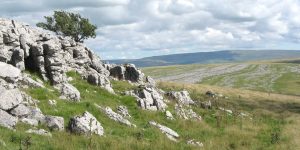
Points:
(270, 77)
(269, 128)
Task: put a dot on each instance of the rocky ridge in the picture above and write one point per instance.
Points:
(51, 56)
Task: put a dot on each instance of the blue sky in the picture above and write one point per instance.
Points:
(141, 28)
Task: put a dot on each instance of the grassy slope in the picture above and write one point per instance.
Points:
(267, 130)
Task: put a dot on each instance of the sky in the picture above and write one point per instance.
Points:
(130, 29)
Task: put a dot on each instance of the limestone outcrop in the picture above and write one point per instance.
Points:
(49, 55)
(86, 124)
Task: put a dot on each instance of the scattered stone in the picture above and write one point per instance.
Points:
(171, 134)
(39, 132)
(55, 123)
(182, 97)
(186, 113)
(7, 120)
(52, 102)
(206, 105)
(226, 110)
(148, 98)
(169, 115)
(86, 124)
(115, 116)
(195, 143)
(70, 92)
(122, 110)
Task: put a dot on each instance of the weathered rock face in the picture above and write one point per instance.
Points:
(69, 92)
(171, 134)
(9, 98)
(55, 122)
(86, 124)
(20, 111)
(127, 72)
(98, 79)
(9, 72)
(115, 116)
(51, 56)
(182, 97)
(122, 110)
(148, 98)
(7, 120)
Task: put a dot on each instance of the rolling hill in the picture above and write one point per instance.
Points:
(275, 77)
(210, 57)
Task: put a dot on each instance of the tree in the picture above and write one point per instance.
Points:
(69, 24)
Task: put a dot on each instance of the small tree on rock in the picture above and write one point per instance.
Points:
(69, 24)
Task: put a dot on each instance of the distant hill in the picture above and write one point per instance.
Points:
(210, 57)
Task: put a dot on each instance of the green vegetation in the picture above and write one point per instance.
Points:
(69, 24)
(268, 129)
(268, 77)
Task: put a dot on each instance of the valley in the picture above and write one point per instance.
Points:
(271, 77)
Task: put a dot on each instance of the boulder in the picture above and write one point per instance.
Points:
(9, 72)
(171, 134)
(127, 72)
(35, 116)
(68, 91)
(55, 123)
(86, 124)
(10, 98)
(182, 97)
(20, 111)
(118, 72)
(133, 74)
(7, 120)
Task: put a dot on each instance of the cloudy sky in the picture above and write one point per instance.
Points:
(140, 28)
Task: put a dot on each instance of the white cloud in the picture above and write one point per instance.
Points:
(139, 28)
